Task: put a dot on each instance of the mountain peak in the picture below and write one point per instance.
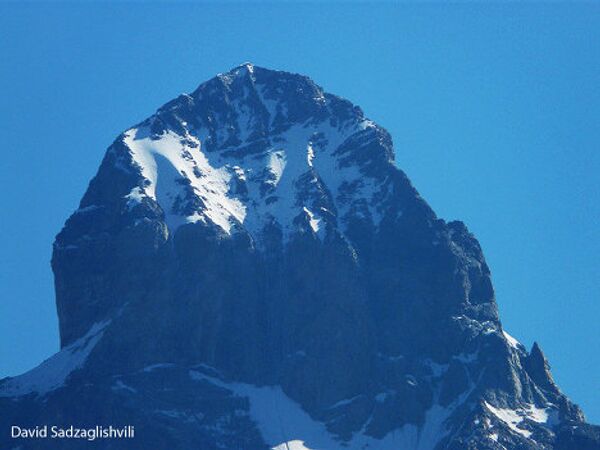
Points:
(290, 84)
(243, 70)
(256, 148)
(250, 269)
(247, 65)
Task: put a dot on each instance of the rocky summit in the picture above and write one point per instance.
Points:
(249, 269)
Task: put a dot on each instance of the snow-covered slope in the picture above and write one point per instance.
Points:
(54, 372)
(236, 178)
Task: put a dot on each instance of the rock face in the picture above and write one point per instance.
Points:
(250, 270)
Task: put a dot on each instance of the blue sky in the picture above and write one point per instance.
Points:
(494, 110)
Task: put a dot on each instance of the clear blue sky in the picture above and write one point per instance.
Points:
(494, 111)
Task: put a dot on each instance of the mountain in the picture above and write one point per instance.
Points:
(250, 270)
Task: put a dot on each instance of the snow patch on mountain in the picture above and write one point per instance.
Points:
(510, 417)
(53, 372)
(312, 220)
(288, 178)
(514, 417)
(511, 340)
(170, 166)
(285, 425)
(280, 420)
(292, 445)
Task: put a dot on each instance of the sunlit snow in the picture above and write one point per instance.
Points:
(285, 425)
(513, 417)
(177, 171)
(53, 372)
(511, 340)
